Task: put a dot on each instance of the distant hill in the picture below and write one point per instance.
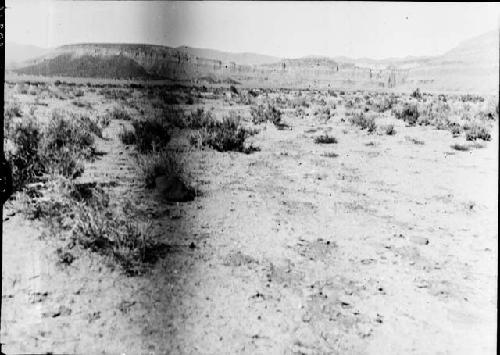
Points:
(480, 49)
(16, 54)
(473, 65)
(470, 66)
(227, 57)
(114, 66)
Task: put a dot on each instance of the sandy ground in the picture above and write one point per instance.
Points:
(389, 248)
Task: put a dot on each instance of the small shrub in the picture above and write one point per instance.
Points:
(151, 134)
(127, 136)
(25, 156)
(478, 131)
(325, 139)
(455, 130)
(460, 147)
(114, 234)
(261, 114)
(364, 122)
(228, 135)
(153, 165)
(407, 113)
(390, 130)
(68, 139)
(12, 109)
(416, 94)
(199, 119)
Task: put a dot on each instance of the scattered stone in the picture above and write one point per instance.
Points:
(257, 295)
(61, 312)
(419, 240)
(345, 305)
(192, 245)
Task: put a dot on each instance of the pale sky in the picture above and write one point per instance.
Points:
(284, 29)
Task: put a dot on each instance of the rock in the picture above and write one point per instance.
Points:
(173, 189)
